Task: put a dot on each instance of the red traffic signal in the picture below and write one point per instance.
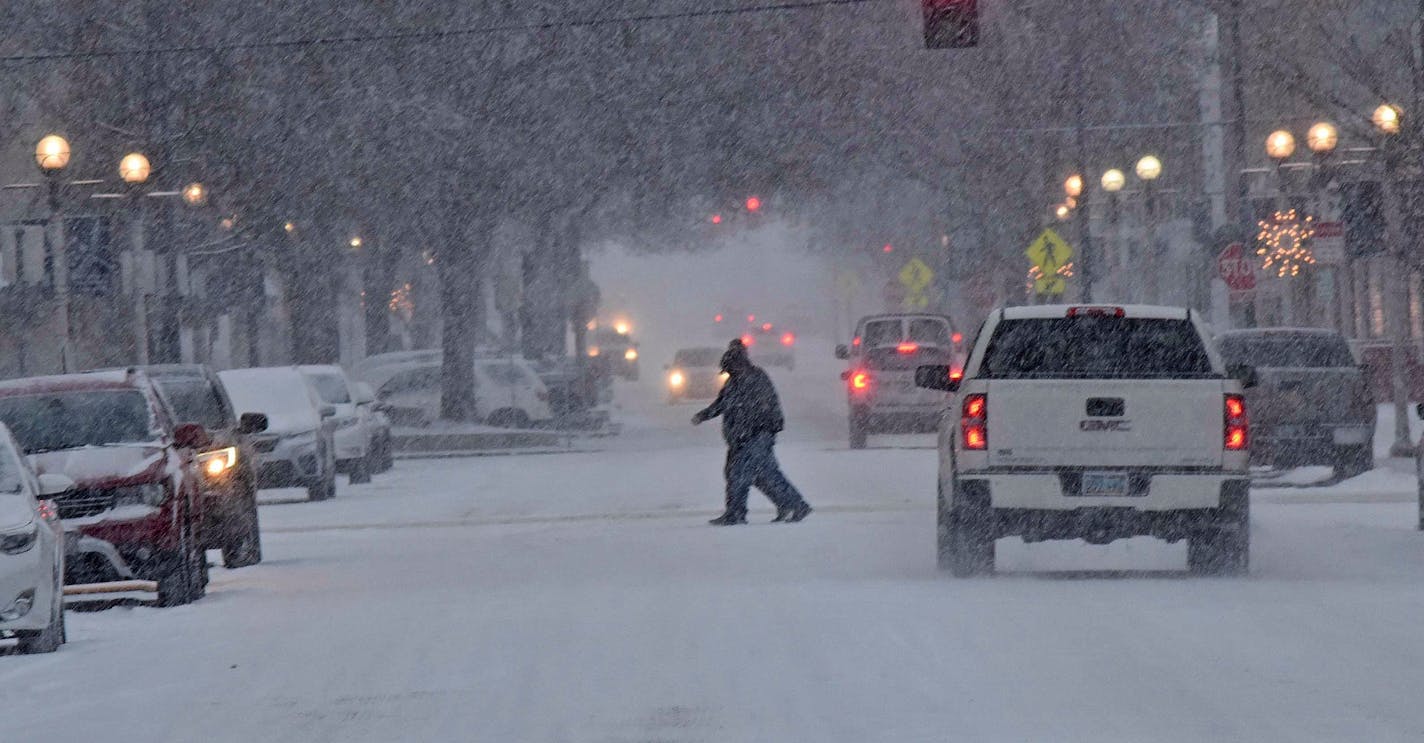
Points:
(951, 24)
(716, 219)
(753, 204)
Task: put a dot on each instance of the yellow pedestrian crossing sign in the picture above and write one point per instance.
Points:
(916, 276)
(1049, 252)
(1049, 285)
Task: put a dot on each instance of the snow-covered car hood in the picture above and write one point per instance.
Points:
(103, 466)
(14, 511)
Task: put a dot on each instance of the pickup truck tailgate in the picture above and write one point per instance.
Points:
(1105, 423)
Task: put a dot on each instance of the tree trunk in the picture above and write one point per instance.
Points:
(460, 263)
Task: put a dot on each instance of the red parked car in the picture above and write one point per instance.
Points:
(137, 486)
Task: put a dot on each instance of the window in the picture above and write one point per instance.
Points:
(331, 388)
(505, 374)
(881, 333)
(929, 331)
(1303, 350)
(69, 420)
(194, 400)
(412, 380)
(1095, 348)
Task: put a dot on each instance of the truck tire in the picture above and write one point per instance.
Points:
(360, 472)
(244, 546)
(858, 434)
(1353, 461)
(323, 489)
(1223, 547)
(966, 541)
(184, 576)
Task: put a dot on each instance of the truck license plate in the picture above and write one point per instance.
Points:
(1104, 484)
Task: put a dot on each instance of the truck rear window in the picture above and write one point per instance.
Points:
(1095, 348)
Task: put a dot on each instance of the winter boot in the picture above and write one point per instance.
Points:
(729, 519)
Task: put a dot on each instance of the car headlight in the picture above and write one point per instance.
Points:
(20, 540)
(722, 378)
(631, 354)
(217, 463)
(140, 495)
(676, 379)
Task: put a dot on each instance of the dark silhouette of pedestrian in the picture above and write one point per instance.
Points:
(751, 418)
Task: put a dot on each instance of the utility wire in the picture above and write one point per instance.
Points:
(398, 37)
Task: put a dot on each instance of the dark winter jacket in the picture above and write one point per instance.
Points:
(747, 403)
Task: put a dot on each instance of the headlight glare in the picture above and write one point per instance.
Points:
(676, 379)
(216, 463)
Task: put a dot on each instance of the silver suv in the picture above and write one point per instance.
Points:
(880, 380)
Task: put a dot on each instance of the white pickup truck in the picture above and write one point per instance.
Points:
(1094, 423)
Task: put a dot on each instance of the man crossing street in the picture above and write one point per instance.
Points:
(751, 418)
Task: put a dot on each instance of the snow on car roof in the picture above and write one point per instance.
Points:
(1047, 311)
(116, 379)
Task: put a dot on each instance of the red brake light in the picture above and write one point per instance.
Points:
(748, 340)
(860, 381)
(908, 347)
(855, 341)
(957, 338)
(718, 318)
(788, 339)
(1097, 312)
(47, 510)
(766, 327)
(1237, 434)
(974, 422)
(956, 374)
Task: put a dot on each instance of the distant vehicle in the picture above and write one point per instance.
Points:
(359, 433)
(136, 474)
(297, 449)
(1312, 403)
(695, 374)
(228, 469)
(31, 552)
(771, 345)
(508, 394)
(375, 370)
(880, 381)
(1094, 423)
(615, 352)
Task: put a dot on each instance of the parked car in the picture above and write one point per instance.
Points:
(296, 450)
(1311, 403)
(31, 552)
(880, 382)
(1093, 423)
(135, 471)
(376, 370)
(508, 393)
(695, 374)
(361, 431)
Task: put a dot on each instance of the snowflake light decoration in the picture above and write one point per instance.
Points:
(1283, 243)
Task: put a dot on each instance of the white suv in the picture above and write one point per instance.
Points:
(1094, 423)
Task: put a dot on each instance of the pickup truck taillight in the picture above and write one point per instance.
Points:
(974, 422)
(860, 381)
(1237, 430)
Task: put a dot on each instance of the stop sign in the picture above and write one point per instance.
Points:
(1236, 269)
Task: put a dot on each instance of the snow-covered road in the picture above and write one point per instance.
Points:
(580, 597)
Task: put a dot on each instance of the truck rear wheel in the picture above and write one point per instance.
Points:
(966, 542)
(858, 434)
(1223, 547)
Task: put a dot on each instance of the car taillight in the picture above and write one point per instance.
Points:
(956, 374)
(860, 381)
(788, 339)
(1097, 312)
(1237, 434)
(908, 347)
(748, 340)
(957, 338)
(974, 422)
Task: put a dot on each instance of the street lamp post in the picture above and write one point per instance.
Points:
(134, 170)
(52, 155)
(1322, 139)
(1113, 182)
(1074, 189)
(1388, 120)
(1149, 169)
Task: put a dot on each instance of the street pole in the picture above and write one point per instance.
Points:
(136, 237)
(1149, 193)
(1081, 215)
(1398, 314)
(57, 261)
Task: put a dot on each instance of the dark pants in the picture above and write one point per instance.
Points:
(752, 462)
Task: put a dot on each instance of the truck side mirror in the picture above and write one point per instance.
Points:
(250, 423)
(937, 377)
(842, 351)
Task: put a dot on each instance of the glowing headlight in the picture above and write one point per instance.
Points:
(215, 463)
(723, 377)
(676, 379)
(593, 351)
(631, 354)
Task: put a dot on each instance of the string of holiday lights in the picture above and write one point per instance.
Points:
(1284, 243)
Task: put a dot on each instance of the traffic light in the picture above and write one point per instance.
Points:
(753, 204)
(951, 24)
